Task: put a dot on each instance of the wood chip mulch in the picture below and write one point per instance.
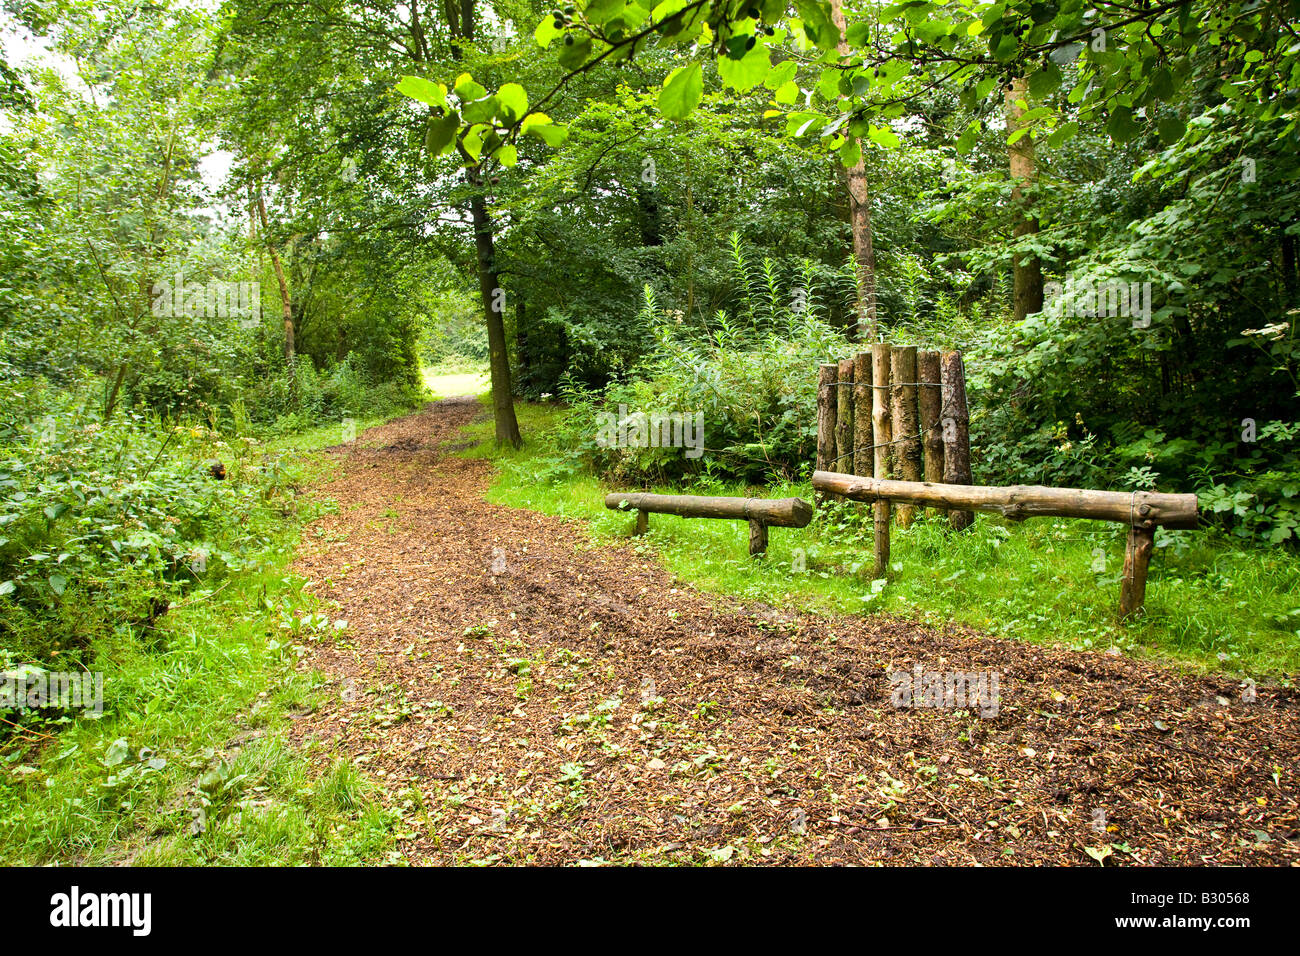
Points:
(523, 696)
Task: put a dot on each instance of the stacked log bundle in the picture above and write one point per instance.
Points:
(893, 429)
(896, 412)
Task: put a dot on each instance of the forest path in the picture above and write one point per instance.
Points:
(524, 696)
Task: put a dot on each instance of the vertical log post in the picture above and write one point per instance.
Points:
(826, 395)
(844, 417)
(927, 373)
(1133, 583)
(757, 537)
(642, 522)
(863, 460)
(903, 421)
(955, 423)
(880, 427)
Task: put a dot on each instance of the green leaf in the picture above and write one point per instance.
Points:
(1162, 84)
(506, 155)
(473, 140)
(513, 101)
(787, 94)
(58, 584)
(858, 33)
(117, 752)
(546, 32)
(573, 55)
(1121, 127)
(1171, 129)
(780, 75)
(682, 92)
(550, 135)
(817, 23)
(1045, 81)
(7, 588)
(746, 73)
(467, 89)
(440, 133)
(481, 110)
(1062, 134)
(418, 88)
(600, 12)
(883, 136)
(1006, 47)
(969, 137)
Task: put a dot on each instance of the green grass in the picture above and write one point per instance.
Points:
(1211, 603)
(201, 702)
(445, 383)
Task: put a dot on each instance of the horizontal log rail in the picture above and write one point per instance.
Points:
(1145, 509)
(759, 512)
(1142, 511)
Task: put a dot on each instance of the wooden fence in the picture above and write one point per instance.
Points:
(759, 512)
(893, 429)
(896, 412)
(1142, 511)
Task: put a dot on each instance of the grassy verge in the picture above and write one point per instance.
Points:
(190, 762)
(1211, 603)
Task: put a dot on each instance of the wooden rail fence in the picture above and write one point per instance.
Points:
(1142, 511)
(759, 512)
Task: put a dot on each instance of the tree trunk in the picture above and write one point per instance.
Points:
(503, 403)
(1027, 272)
(864, 255)
(286, 304)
